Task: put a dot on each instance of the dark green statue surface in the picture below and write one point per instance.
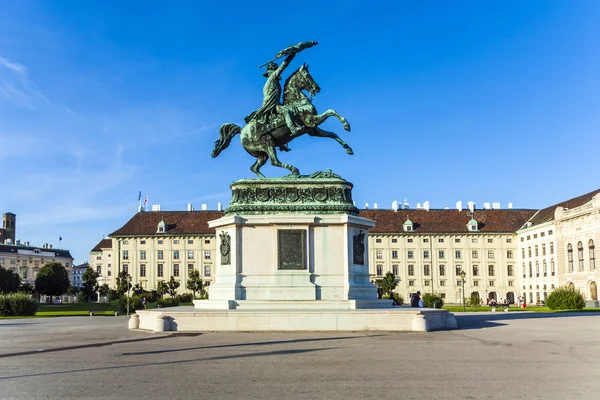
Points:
(277, 122)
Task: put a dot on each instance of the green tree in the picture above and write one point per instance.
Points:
(162, 288)
(388, 284)
(89, 284)
(137, 289)
(10, 281)
(73, 290)
(194, 283)
(173, 285)
(104, 289)
(52, 280)
(26, 288)
(122, 283)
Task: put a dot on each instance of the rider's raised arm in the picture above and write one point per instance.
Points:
(285, 64)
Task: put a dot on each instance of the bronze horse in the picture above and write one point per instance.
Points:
(261, 139)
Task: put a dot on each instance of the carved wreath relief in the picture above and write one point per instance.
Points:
(225, 248)
(359, 248)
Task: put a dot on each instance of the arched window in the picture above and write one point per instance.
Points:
(592, 249)
(530, 270)
(537, 269)
(571, 286)
(570, 257)
(552, 270)
(545, 268)
(580, 255)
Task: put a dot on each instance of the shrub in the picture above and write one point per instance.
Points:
(563, 298)
(168, 302)
(185, 298)
(113, 295)
(17, 304)
(433, 300)
(135, 303)
(399, 298)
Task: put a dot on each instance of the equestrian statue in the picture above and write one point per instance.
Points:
(277, 123)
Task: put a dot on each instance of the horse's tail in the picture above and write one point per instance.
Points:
(227, 132)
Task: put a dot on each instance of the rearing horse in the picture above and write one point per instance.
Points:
(261, 139)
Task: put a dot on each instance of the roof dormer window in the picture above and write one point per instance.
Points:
(408, 225)
(162, 227)
(472, 225)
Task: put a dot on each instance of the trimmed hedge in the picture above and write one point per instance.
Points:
(185, 298)
(135, 303)
(433, 300)
(17, 304)
(563, 298)
(168, 302)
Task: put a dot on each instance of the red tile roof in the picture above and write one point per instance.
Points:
(104, 244)
(447, 221)
(547, 214)
(177, 223)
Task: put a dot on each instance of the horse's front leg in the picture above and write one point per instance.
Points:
(318, 132)
(320, 118)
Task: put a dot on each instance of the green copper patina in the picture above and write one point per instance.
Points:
(318, 193)
(277, 123)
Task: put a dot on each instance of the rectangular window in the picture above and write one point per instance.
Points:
(474, 254)
(125, 241)
(125, 254)
(442, 270)
(108, 273)
(411, 283)
(176, 241)
(126, 268)
(142, 242)
(522, 239)
(551, 247)
(207, 270)
(458, 283)
(175, 254)
(427, 283)
(491, 283)
(535, 235)
(379, 254)
(550, 232)
(511, 270)
(142, 254)
(160, 270)
(394, 240)
(511, 283)
(394, 254)
(528, 237)
(475, 283)
(441, 254)
(190, 254)
(536, 250)
(206, 241)
(207, 254)
(99, 270)
(411, 270)
(509, 254)
(378, 240)
(457, 240)
(474, 240)
(409, 240)
(160, 254)
(543, 249)
(458, 254)
(143, 270)
(395, 270)
(442, 283)
(379, 270)
(508, 240)
(490, 253)
(175, 269)
(529, 251)
(440, 240)
(190, 269)
(490, 240)
(159, 241)
(425, 240)
(491, 270)
(542, 234)
(190, 241)
(475, 270)
(426, 270)
(410, 254)
(425, 253)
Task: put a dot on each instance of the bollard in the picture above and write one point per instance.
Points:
(134, 321)
(162, 324)
(420, 324)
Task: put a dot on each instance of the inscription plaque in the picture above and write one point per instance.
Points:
(291, 249)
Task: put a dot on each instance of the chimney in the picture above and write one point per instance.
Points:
(395, 205)
(510, 205)
(374, 206)
(459, 205)
(155, 207)
(486, 206)
(496, 205)
(426, 205)
(405, 204)
(419, 206)
(471, 205)
(204, 207)
(366, 206)
(219, 206)
(190, 208)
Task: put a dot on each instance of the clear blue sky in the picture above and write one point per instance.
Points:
(463, 100)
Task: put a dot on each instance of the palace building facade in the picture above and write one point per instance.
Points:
(505, 253)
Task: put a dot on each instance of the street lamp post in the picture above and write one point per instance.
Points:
(128, 288)
(462, 277)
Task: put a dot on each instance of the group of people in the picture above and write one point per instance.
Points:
(521, 302)
(494, 302)
(416, 300)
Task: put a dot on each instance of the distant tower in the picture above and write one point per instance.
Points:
(9, 223)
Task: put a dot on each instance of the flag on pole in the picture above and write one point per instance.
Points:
(140, 196)
(60, 238)
(146, 201)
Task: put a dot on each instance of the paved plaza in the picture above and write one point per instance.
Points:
(515, 355)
